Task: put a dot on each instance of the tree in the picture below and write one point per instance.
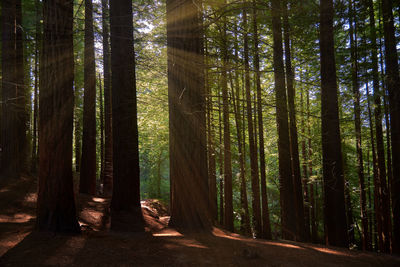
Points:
(188, 158)
(288, 208)
(88, 161)
(55, 205)
(334, 207)
(393, 85)
(108, 153)
(10, 119)
(126, 213)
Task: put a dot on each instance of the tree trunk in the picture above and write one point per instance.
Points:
(357, 124)
(108, 145)
(266, 225)
(188, 156)
(56, 205)
(294, 146)
(255, 187)
(101, 131)
(334, 206)
(393, 85)
(221, 165)
(288, 208)
(126, 213)
(87, 182)
(10, 127)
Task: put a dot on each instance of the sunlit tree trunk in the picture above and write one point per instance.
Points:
(334, 206)
(255, 187)
(266, 225)
(87, 182)
(393, 86)
(56, 205)
(186, 95)
(126, 213)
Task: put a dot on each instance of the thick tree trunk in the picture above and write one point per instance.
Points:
(266, 225)
(56, 205)
(108, 145)
(334, 206)
(288, 208)
(10, 120)
(294, 146)
(87, 180)
(188, 155)
(126, 213)
(393, 86)
(255, 183)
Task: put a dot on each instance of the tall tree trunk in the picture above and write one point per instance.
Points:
(188, 155)
(77, 135)
(228, 221)
(294, 146)
(56, 205)
(393, 86)
(357, 124)
(9, 121)
(126, 213)
(266, 225)
(87, 182)
(334, 211)
(101, 131)
(221, 165)
(288, 208)
(255, 183)
(108, 145)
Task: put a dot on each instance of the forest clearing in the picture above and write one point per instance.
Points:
(200, 132)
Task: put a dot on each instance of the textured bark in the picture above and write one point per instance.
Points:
(126, 213)
(288, 208)
(294, 145)
(221, 166)
(77, 135)
(255, 183)
(87, 182)
(56, 205)
(108, 145)
(186, 95)
(334, 206)
(9, 121)
(357, 125)
(101, 107)
(393, 86)
(266, 225)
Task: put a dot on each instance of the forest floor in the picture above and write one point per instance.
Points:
(158, 246)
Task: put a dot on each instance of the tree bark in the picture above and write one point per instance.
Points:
(255, 187)
(87, 182)
(393, 86)
(188, 156)
(126, 213)
(334, 206)
(56, 205)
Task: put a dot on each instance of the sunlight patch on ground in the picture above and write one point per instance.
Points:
(16, 218)
(188, 243)
(168, 232)
(32, 197)
(333, 252)
(99, 200)
(4, 190)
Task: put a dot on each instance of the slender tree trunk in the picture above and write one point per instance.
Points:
(108, 145)
(188, 155)
(56, 205)
(77, 134)
(255, 187)
(221, 165)
(357, 123)
(393, 85)
(334, 211)
(294, 146)
(126, 213)
(87, 182)
(288, 208)
(266, 225)
(228, 221)
(101, 131)
(10, 127)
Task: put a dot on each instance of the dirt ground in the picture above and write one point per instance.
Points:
(158, 246)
